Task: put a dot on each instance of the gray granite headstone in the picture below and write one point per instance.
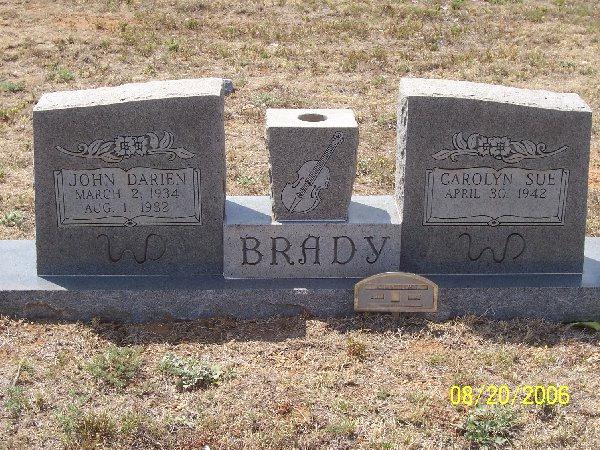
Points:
(131, 179)
(313, 162)
(255, 247)
(491, 179)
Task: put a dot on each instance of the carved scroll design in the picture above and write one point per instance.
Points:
(498, 257)
(154, 248)
(501, 148)
(125, 147)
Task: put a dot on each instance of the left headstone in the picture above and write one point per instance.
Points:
(131, 179)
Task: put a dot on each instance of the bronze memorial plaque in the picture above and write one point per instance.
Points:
(395, 292)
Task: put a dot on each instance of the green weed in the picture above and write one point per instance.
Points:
(192, 24)
(86, 429)
(490, 427)
(117, 366)
(344, 427)
(355, 348)
(173, 45)
(12, 86)
(12, 219)
(190, 372)
(457, 4)
(16, 400)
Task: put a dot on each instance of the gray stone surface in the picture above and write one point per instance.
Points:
(24, 294)
(312, 154)
(491, 179)
(131, 179)
(256, 247)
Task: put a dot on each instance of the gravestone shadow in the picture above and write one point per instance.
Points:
(534, 333)
(203, 331)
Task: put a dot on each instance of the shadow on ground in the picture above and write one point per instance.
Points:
(215, 331)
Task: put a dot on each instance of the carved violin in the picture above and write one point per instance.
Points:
(302, 195)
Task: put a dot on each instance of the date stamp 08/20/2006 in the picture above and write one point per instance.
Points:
(492, 395)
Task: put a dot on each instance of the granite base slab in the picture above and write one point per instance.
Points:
(560, 298)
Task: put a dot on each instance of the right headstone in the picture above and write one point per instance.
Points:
(491, 179)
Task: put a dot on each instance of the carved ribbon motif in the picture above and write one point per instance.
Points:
(125, 147)
(501, 148)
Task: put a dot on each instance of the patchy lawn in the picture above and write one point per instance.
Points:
(369, 382)
(286, 53)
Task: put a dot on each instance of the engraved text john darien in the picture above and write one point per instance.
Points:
(117, 197)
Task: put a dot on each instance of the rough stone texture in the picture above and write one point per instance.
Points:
(256, 247)
(299, 138)
(491, 179)
(24, 294)
(131, 179)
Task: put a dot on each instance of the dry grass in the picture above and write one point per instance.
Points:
(368, 382)
(290, 383)
(286, 53)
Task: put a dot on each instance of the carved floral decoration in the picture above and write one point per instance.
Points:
(125, 147)
(501, 148)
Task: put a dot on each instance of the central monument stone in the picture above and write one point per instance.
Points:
(311, 227)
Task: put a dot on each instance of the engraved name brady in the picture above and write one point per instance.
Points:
(309, 249)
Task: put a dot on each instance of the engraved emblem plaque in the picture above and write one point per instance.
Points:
(395, 292)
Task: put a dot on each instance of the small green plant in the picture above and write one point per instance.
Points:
(436, 359)
(173, 45)
(11, 86)
(12, 219)
(245, 180)
(9, 114)
(266, 100)
(344, 427)
(383, 394)
(595, 326)
(190, 372)
(537, 14)
(62, 75)
(457, 4)
(192, 24)
(355, 348)
(379, 80)
(16, 400)
(490, 427)
(85, 429)
(117, 366)
(65, 75)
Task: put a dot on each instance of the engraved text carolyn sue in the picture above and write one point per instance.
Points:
(125, 147)
(116, 197)
(485, 196)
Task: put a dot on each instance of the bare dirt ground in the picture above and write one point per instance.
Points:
(360, 383)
